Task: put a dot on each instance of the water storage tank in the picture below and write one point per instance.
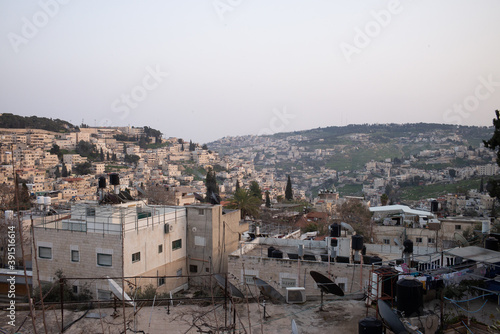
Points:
(102, 182)
(434, 206)
(39, 200)
(376, 260)
(410, 297)
(408, 246)
(270, 251)
(335, 230)
(114, 179)
(485, 226)
(334, 242)
(491, 243)
(370, 325)
(357, 242)
(277, 254)
(9, 214)
(47, 200)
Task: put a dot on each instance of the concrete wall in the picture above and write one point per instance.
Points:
(211, 236)
(88, 245)
(280, 272)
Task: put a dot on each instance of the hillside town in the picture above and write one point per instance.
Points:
(123, 214)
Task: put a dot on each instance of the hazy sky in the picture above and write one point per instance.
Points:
(204, 69)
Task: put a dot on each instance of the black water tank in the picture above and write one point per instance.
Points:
(102, 182)
(410, 297)
(309, 257)
(491, 243)
(376, 260)
(270, 251)
(343, 259)
(335, 230)
(363, 250)
(293, 256)
(408, 246)
(357, 242)
(334, 242)
(277, 254)
(114, 179)
(370, 325)
(434, 206)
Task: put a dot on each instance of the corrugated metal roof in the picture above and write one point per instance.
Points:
(475, 253)
(400, 209)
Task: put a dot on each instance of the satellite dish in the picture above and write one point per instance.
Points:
(347, 227)
(397, 242)
(460, 239)
(118, 291)
(295, 329)
(326, 284)
(390, 318)
(268, 291)
(233, 291)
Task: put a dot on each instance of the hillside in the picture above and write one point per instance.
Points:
(11, 121)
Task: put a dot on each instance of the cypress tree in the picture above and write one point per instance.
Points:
(288, 190)
(268, 200)
(64, 172)
(237, 185)
(57, 173)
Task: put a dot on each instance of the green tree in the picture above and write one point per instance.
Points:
(481, 186)
(493, 186)
(57, 173)
(131, 158)
(64, 172)
(211, 184)
(288, 190)
(204, 147)
(84, 168)
(237, 185)
(101, 155)
(192, 146)
(255, 190)
(244, 201)
(384, 199)
(268, 200)
(55, 149)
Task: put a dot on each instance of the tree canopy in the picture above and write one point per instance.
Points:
(244, 201)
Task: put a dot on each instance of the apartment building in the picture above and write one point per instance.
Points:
(127, 239)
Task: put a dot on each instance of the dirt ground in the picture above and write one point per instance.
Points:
(337, 317)
(341, 316)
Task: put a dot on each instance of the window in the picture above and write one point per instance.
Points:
(193, 268)
(179, 272)
(176, 244)
(207, 270)
(90, 212)
(342, 286)
(249, 279)
(136, 257)
(75, 289)
(288, 282)
(387, 241)
(44, 252)
(201, 212)
(160, 249)
(418, 240)
(161, 281)
(431, 240)
(458, 227)
(75, 256)
(104, 260)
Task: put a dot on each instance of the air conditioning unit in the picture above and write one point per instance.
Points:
(295, 295)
